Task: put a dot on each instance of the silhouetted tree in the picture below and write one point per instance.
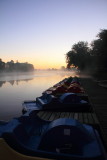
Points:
(93, 58)
(25, 67)
(79, 56)
(2, 65)
(10, 65)
(99, 50)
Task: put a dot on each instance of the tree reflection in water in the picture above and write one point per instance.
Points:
(18, 88)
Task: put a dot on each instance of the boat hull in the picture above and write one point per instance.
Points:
(30, 137)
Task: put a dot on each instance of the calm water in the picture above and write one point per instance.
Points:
(15, 88)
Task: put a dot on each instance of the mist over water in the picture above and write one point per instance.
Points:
(17, 87)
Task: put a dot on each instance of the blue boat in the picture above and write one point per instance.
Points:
(30, 137)
(62, 101)
(66, 102)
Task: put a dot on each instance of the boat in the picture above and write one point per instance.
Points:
(31, 138)
(72, 85)
(66, 102)
(61, 97)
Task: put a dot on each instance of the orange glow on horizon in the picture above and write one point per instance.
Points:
(48, 63)
(48, 66)
(38, 63)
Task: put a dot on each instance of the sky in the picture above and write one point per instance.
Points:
(41, 32)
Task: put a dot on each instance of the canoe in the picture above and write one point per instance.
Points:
(30, 137)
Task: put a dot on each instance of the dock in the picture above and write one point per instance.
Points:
(98, 97)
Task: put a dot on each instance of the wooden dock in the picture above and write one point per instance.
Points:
(97, 119)
(98, 97)
(86, 118)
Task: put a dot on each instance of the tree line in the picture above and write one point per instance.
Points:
(12, 66)
(91, 58)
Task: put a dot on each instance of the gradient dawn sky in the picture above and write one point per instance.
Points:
(41, 32)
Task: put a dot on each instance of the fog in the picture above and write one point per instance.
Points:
(30, 75)
(18, 87)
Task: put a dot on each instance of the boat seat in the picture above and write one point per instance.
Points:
(18, 136)
(50, 99)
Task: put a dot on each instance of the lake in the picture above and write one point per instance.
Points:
(17, 87)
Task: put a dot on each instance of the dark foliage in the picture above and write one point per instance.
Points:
(93, 58)
(11, 66)
(99, 50)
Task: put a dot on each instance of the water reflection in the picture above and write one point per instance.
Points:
(15, 89)
(13, 82)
